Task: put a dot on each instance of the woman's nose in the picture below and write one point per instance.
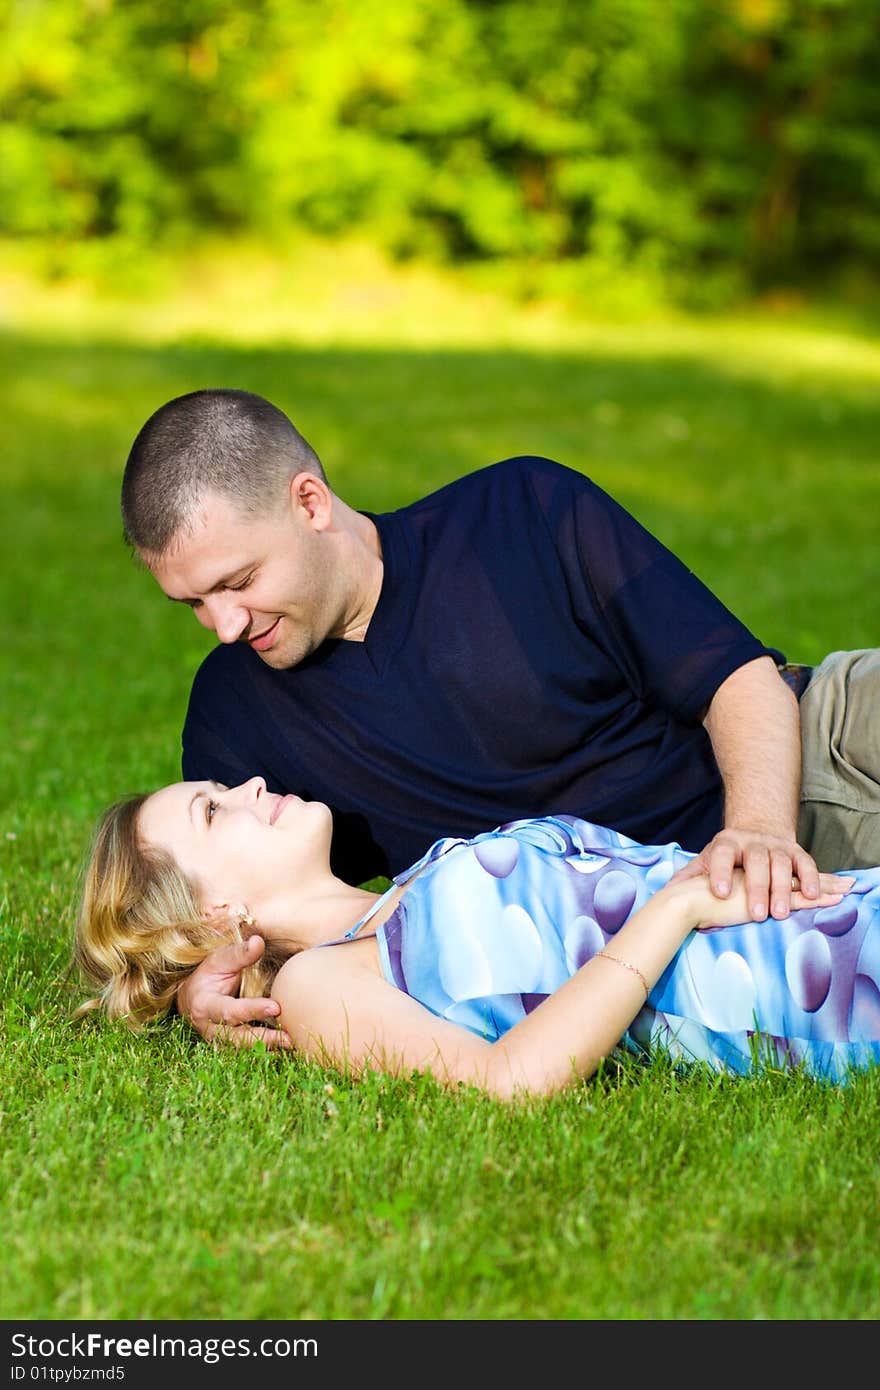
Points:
(250, 790)
(255, 787)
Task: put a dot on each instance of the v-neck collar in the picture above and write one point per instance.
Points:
(388, 624)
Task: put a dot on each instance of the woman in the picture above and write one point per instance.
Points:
(445, 970)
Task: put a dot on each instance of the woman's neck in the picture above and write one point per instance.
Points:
(329, 912)
(312, 918)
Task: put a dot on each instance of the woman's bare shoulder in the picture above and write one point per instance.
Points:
(335, 1003)
(321, 963)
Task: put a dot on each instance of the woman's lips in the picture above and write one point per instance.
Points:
(265, 639)
(280, 805)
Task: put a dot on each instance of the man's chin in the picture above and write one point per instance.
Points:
(282, 655)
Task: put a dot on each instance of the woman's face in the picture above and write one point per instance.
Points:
(241, 846)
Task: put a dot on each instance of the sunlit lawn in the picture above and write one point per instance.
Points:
(238, 1186)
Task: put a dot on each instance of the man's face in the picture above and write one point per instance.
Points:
(266, 580)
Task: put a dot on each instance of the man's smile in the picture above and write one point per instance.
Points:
(264, 639)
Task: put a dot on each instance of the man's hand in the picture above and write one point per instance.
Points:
(773, 866)
(208, 999)
(712, 911)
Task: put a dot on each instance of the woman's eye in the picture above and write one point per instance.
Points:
(236, 588)
(209, 810)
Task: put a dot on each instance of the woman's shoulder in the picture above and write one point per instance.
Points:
(295, 975)
(303, 971)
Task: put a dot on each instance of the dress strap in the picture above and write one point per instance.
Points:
(439, 847)
(362, 922)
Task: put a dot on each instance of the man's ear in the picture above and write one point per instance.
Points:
(311, 497)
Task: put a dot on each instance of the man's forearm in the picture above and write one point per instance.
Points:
(754, 725)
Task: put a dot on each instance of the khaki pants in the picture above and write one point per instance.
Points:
(840, 738)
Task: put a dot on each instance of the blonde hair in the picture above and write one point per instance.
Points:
(139, 929)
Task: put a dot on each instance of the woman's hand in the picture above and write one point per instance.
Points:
(710, 911)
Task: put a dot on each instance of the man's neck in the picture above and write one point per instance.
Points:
(363, 562)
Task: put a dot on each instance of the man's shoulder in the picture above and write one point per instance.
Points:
(520, 472)
(503, 470)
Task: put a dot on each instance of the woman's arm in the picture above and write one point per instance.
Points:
(339, 1009)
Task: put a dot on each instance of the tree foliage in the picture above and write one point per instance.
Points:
(724, 143)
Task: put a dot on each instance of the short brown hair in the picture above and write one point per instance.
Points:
(230, 442)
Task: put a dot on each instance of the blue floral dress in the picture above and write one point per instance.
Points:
(489, 926)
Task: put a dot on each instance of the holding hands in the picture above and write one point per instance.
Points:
(751, 875)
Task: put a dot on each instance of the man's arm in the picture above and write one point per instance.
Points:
(754, 726)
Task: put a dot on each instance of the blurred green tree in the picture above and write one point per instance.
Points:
(717, 145)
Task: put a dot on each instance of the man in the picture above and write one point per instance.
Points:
(515, 644)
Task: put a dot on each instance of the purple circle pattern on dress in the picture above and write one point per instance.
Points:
(837, 920)
(613, 898)
(498, 857)
(583, 938)
(808, 970)
(864, 1018)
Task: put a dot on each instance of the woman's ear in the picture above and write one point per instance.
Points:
(221, 913)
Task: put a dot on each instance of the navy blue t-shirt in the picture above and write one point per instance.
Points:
(534, 650)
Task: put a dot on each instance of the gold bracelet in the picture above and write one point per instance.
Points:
(627, 966)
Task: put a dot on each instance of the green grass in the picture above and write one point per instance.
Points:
(158, 1179)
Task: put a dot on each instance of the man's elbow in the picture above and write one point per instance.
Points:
(757, 681)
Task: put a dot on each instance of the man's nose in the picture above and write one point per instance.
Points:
(227, 619)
